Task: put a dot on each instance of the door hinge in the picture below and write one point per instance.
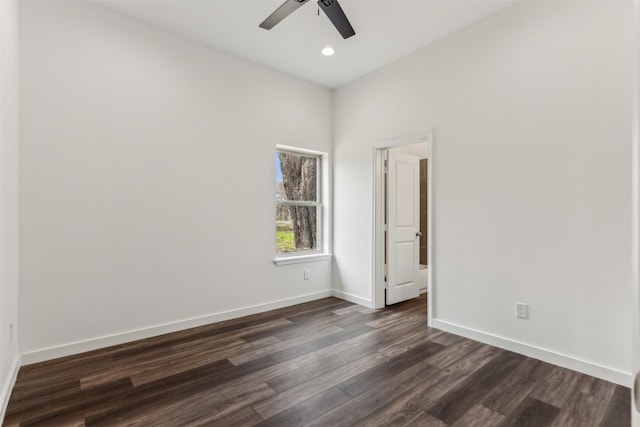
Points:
(386, 227)
(386, 166)
(386, 271)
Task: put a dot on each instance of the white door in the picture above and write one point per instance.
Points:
(403, 221)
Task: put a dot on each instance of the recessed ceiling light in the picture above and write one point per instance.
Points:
(328, 51)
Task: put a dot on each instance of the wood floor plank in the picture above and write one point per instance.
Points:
(304, 367)
(381, 340)
(365, 403)
(459, 371)
(214, 341)
(453, 353)
(400, 411)
(295, 371)
(69, 406)
(310, 388)
(294, 329)
(394, 334)
(318, 313)
(309, 409)
(595, 387)
(401, 345)
(446, 338)
(557, 387)
(325, 362)
(178, 359)
(479, 416)
(285, 326)
(506, 396)
(346, 310)
(453, 405)
(171, 412)
(425, 420)
(158, 393)
(243, 417)
(618, 413)
(532, 413)
(244, 356)
(228, 407)
(205, 407)
(581, 409)
(317, 343)
(384, 320)
(64, 366)
(51, 391)
(150, 373)
(364, 381)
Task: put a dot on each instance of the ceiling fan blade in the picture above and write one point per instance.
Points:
(285, 9)
(337, 17)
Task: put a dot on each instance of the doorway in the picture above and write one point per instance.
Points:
(409, 234)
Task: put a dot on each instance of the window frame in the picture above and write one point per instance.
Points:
(322, 250)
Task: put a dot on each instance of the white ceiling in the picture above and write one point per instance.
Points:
(386, 30)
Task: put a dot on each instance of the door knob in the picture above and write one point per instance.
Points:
(418, 234)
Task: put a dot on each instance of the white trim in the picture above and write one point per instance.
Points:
(377, 291)
(297, 259)
(546, 355)
(430, 232)
(635, 223)
(120, 338)
(325, 210)
(352, 298)
(300, 203)
(300, 150)
(8, 387)
(399, 142)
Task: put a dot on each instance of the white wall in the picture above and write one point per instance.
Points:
(147, 180)
(532, 198)
(9, 360)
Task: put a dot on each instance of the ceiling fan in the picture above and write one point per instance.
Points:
(330, 7)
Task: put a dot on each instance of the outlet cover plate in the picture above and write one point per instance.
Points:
(522, 310)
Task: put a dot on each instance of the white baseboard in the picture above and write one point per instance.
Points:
(8, 386)
(352, 298)
(121, 338)
(549, 356)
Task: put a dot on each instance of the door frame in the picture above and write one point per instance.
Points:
(378, 285)
(635, 213)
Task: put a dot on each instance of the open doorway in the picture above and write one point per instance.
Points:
(403, 258)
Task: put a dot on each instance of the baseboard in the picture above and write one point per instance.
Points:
(352, 298)
(8, 386)
(549, 356)
(124, 337)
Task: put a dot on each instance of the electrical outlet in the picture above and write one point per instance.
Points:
(522, 310)
(306, 275)
(10, 332)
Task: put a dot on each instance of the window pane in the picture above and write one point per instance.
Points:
(296, 177)
(296, 228)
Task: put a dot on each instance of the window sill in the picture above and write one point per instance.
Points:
(297, 259)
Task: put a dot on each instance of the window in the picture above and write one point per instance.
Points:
(299, 202)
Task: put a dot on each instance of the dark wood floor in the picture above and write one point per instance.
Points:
(323, 363)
